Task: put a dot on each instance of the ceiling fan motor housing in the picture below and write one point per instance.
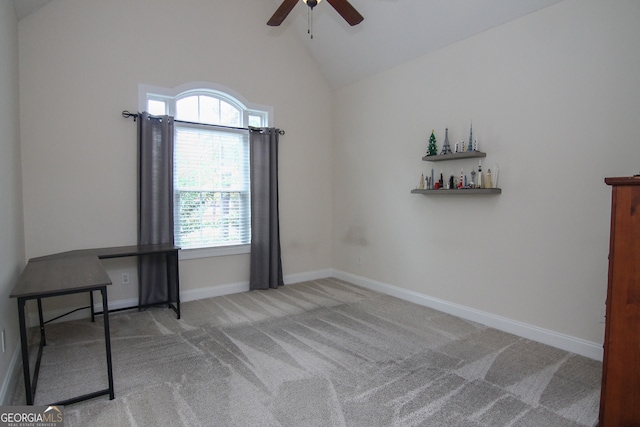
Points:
(343, 7)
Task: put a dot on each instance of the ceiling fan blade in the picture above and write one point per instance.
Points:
(348, 12)
(285, 8)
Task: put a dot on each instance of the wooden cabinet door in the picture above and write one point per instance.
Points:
(620, 395)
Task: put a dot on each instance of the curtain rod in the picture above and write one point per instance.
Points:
(126, 114)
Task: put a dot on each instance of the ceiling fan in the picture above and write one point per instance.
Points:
(343, 7)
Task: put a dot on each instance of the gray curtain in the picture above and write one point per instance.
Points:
(266, 264)
(155, 208)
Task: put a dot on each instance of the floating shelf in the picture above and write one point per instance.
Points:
(455, 156)
(460, 191)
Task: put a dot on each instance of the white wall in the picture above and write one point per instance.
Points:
(553, 97)
(11, 225)
(555, 101)
(80, 66)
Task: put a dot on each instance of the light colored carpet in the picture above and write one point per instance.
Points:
(319, 353)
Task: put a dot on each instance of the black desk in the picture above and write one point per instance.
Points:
(42, 279)
(74, 272)
(170, 251)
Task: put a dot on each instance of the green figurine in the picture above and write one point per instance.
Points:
(433, 148)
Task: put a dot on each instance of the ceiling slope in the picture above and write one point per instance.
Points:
(396, 31)
(393, 31)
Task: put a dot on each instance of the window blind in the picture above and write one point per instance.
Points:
(211, 187)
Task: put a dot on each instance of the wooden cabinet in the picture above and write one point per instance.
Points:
(620, 393)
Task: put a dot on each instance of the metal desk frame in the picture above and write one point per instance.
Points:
(170, 251)
(75, 272)
(54, 278)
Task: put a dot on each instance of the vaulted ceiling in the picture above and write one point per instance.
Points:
(25, 7)
(393, 31)
(396, 31)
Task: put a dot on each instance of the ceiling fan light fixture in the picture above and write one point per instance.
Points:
(343, 7)
(311, 3)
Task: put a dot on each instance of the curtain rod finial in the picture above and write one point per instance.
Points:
(126, 114)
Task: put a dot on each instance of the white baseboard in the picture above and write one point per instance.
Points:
(555, 339)
(234, 288)
(213, 291)
(12, 372)
(309, 275)
(565, 342)
(185, 296)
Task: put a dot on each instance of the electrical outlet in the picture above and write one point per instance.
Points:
(359, 260)
(126, 278)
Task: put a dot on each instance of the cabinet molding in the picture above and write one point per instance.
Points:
(620, 390)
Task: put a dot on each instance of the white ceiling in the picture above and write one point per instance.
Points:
(393, 31)
(396, 31)
(25, 7)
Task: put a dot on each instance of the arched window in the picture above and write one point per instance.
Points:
(212, 206)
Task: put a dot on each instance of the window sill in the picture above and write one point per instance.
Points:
(214, 252)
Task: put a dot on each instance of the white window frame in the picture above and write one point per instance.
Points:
(169, 96)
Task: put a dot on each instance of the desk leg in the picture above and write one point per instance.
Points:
(175, 256)
(172, 259)
(107, 340)
(25, 352)
(93, 313)
(42, 337)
